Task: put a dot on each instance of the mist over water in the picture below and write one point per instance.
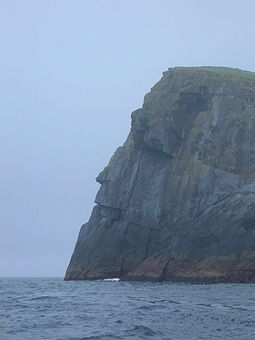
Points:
(77, 310)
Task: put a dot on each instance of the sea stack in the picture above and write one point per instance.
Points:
(177, 200)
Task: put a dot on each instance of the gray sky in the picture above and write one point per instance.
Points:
(71, 74)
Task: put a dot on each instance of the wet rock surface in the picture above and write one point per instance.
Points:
(177, 200)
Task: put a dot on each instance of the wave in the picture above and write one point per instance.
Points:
(44, 297)
(140, 330)
(115, 279)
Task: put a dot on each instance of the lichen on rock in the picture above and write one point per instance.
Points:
(177, 200)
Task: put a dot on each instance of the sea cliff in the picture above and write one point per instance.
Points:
(177, 200)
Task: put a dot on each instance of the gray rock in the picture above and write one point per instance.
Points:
(177, 200)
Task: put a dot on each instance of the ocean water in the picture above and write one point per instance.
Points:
(32, 309)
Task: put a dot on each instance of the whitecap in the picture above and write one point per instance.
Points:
(114, 279)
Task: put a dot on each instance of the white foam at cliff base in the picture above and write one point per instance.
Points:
(115, 279)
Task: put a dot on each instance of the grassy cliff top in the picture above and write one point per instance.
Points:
(222, 71)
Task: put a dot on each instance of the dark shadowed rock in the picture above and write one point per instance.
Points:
(177, 200)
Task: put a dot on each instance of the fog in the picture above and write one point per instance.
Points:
(71, 74)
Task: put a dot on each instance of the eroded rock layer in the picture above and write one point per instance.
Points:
(177, 200)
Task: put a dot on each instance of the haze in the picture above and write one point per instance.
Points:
(71, 74)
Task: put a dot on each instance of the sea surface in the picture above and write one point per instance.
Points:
(32, 309)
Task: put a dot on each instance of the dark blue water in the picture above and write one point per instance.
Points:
(32, 309)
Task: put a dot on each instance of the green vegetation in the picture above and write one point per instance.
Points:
(222, 71)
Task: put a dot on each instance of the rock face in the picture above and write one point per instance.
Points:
(177, 200)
